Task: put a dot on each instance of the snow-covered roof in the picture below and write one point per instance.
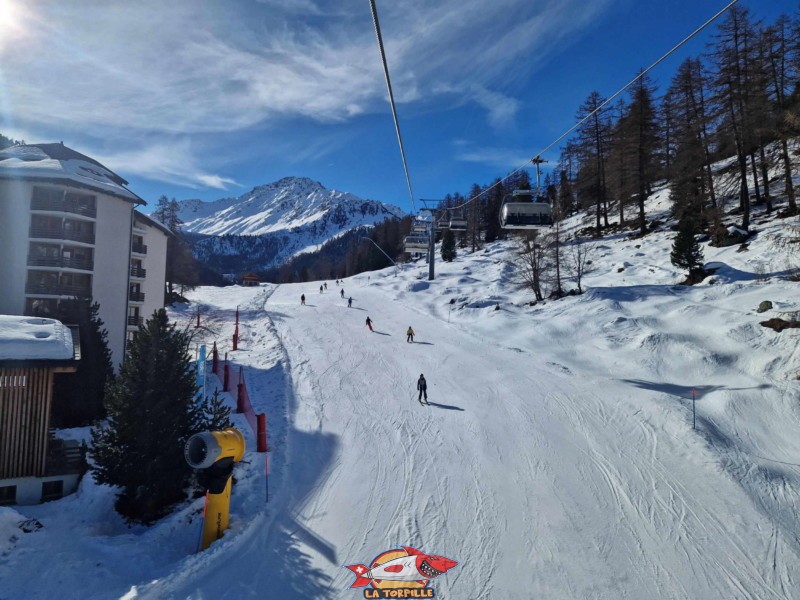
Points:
(34, 338)
(151, 222)
(58, 163)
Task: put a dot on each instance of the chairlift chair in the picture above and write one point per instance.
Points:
(458, 223)
(416, 243)
(525, 213)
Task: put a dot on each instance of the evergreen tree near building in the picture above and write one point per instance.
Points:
(448, 246)
(687, 253)
(152, 412)
(78, 397)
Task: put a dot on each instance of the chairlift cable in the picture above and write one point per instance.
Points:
(391, 99)
(617, 93)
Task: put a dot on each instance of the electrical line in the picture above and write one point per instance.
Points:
(391, 99)
(617, 93)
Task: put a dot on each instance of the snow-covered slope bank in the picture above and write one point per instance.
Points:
(557, 458)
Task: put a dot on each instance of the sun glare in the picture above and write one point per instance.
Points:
(12, 21)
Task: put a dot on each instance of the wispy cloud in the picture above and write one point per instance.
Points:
(152, 68)
(505, 159)
(169, 162)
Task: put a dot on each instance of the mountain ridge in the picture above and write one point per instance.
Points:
(271, 223)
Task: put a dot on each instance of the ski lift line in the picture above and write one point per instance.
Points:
(606, 102)
(391, 99)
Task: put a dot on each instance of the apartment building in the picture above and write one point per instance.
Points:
(69, 228)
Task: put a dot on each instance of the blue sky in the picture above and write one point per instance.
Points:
(207, 99)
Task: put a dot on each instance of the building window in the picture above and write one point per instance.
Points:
(52, 490)
(8, 495)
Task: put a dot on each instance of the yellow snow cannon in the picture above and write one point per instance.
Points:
(214, 453)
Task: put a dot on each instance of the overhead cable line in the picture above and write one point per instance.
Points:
(602, 105)
(391, 99)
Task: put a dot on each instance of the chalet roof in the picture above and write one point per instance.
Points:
(58, 163)
(36, 341)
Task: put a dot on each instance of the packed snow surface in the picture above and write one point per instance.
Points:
(557, 457)
(27, 338)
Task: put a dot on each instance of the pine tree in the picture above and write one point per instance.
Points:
(216, 414)
(152, 412)
(448, 246)
(78, 397)
(687, 253)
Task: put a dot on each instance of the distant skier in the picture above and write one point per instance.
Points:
(350, 302)
(422, 386)
(342, 292)
(326, 285)
(320, 289)
(303, 299)
(369, 323)
(410, 334)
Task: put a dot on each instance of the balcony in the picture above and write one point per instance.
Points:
(63, 205)
(62, 289)
(136, 296)
(139, 248)
(60, 233)
(84, 264)
(138, 272)
(135, 321)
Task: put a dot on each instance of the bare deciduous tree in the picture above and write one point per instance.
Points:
(531, 261)
(579, 261)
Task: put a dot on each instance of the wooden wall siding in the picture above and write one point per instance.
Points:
(24, 421)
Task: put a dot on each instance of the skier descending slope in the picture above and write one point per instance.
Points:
(422, 386)
(369, 323)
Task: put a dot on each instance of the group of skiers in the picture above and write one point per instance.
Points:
(422, 385)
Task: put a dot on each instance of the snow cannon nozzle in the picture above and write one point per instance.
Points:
(204, 449)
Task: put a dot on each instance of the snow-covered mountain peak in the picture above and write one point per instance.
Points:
(286, 204)
(275, 221)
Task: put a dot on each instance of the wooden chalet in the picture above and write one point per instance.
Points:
(32, 469)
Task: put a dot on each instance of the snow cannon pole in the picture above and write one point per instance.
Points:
(215, 453)
(236, 331)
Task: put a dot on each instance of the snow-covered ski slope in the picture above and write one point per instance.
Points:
(557, 458)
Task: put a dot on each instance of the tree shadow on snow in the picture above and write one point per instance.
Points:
(685, 391)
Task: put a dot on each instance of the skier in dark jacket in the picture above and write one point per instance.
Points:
(342, 292)
(350, 302)
(422, 386)
(369, 323)
(303, 299)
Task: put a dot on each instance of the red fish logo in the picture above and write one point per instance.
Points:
(407, 569)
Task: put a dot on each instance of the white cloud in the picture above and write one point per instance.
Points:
(176, 68)
(502, 158)
(168, 162)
